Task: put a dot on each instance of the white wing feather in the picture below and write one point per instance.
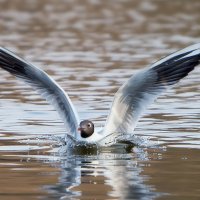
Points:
(133, 98)
(44, 85)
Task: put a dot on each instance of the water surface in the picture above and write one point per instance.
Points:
(90, 48)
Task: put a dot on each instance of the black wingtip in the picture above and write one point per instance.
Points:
(177, 67)
(12, 63)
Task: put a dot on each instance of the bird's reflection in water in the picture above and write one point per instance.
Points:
(108, 173)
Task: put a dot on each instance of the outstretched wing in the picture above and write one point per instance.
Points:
(132, 99)
(44, 85)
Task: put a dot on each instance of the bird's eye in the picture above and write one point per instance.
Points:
(89, 125)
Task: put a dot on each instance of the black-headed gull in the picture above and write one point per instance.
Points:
(130, 101)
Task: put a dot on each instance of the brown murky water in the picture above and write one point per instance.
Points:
(90, 48)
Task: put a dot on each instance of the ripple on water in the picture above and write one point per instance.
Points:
(90, 48)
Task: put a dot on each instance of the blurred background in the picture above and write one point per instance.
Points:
(91, 47)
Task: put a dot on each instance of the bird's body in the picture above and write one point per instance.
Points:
(129, 103)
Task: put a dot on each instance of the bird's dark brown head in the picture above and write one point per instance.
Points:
(86, 128)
